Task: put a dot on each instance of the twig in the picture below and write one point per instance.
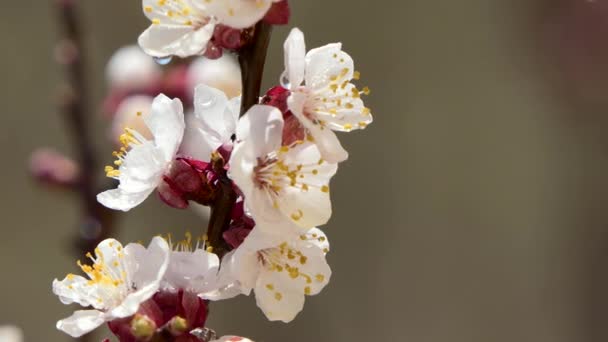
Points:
(251, 59)
(96, 219)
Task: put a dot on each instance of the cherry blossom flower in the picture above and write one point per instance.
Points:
(281, 270)
(284, 186)
(327, 101)
(179, 28)
(213, 123)
(223, 73)
(120, 279)
(239, 13)
(193, 269)
(141, 162)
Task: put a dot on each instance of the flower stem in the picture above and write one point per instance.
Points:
(96, 219)
(251, 59)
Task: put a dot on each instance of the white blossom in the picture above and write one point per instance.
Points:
(280, 269)
(239, 13)
(179, 28)
(323, 97)
(212, 124)
(284, 186)
(120, 279)
(195, 270)
(141, 162)
(129, 113)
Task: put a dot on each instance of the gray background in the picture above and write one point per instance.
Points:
(471, 210)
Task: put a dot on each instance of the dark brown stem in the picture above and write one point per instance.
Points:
(251, 58)
(96, 220)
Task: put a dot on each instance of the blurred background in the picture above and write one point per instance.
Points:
(473, 209)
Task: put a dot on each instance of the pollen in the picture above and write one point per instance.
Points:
(325, 188)
(320, 278)
(356, 75)
(307, 290)
(148, 9)
(278, 296)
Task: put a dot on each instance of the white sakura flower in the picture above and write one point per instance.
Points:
(280, 269)
(120, 279)
(195, 270)
(327, 101)
(141, 162)
(282, 185)
(9, 333)
(239, 13)
(130, 68)
(179, 28)
(213, 123)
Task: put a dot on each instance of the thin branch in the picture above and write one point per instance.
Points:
(251, 59)
(96, 219)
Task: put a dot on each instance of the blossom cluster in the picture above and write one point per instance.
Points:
(277, 158)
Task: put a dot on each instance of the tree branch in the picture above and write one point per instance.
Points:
(251, 59)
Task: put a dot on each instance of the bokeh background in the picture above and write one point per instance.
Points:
(473, 209)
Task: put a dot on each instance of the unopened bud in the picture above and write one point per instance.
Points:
(130, 68)
(227, 37)
(142, 327)
(213, 51)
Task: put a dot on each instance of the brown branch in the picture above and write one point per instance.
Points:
(251, 59)
(96, 219)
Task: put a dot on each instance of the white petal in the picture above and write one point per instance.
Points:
(175, 40)
(261, 129)
(325, 63)
(325, 139)
(197, 143)
(74, 289)
(259, 132)
(81, 322)
(152, 263)
(238, 13)
(166, 122)
(194, 271)
(211, 107)
(278, 302)
(295, 52)
(317, 237)
(119, 199)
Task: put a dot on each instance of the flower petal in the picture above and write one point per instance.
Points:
(211, 106)
(295, 53)
(326, 63)
(81, 322)
(278, 303)
(193, 271)
(166, 122)
(175, 40)
(238, 13)
(325, 139)
(119, 199)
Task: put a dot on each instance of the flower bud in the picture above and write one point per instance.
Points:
(227, 37)
(213, 51)
(277, 97)
(53, 168)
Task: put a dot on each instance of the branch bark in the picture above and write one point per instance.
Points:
(252, 58)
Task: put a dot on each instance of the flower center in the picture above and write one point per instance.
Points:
(127, 140)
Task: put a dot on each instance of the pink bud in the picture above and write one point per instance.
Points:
(292, 130)
(51, 167)
(278, 14)
(227, 37)
(277, 97)
(213, 51)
